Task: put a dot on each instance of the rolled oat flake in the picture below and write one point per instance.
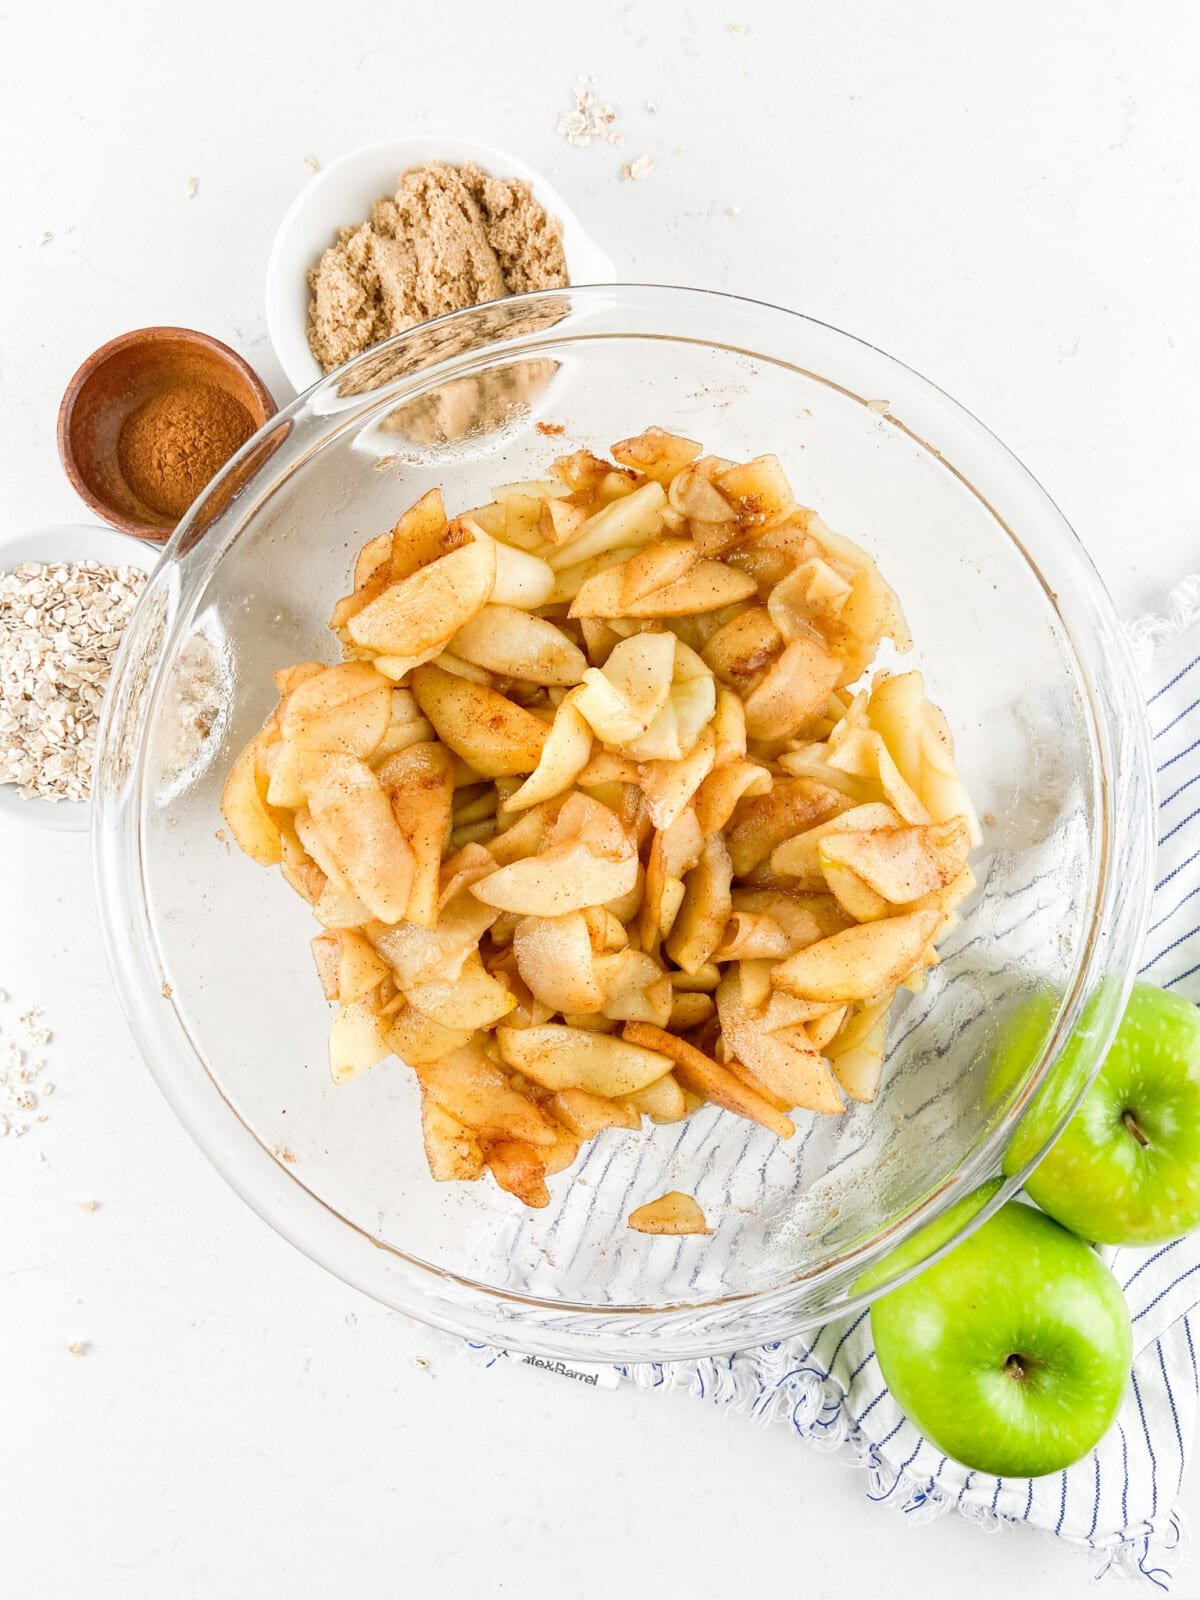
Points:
(60, 626)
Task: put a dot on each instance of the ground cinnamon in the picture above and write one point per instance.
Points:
(179, 439)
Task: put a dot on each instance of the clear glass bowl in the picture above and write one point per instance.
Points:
(1017, 640)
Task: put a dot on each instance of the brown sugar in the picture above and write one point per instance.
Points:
(450, 237)
(177, 441)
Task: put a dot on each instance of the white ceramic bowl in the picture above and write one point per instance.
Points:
(48, 545)
(341, 194)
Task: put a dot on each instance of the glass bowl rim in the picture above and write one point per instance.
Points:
(459, 1304)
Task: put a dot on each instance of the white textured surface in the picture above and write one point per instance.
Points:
(1005, 197)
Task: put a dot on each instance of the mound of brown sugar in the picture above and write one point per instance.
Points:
(450, 237)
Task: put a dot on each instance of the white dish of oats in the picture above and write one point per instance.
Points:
(66, 596)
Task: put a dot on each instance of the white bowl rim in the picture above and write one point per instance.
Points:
(74, 542)
(286, 295)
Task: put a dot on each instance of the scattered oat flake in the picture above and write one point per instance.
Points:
(733, 211)
(651, 108)
(312, 163)
(167, 990)
(589, 118)
(551, 429)
(45, 237)
(78, 1347)
(285, 1154)
(89, 1205)
(878, 406)
(635, 171)
(737, 27)
(190, 187)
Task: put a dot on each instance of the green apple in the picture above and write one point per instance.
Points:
(1011, 1353)
(942, 1230)
(1126, 1169)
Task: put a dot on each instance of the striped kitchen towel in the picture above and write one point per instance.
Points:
(1119, 1502)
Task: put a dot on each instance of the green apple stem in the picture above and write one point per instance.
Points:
(1015, 1367)
(1131, 1126)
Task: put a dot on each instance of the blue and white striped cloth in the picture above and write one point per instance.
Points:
(1119, 1502)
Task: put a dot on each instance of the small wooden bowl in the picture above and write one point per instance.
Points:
(113, 382)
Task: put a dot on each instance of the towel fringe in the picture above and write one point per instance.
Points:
(1149, 634)
(753, 1385)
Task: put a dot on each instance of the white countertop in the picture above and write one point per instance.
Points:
(1009, 199)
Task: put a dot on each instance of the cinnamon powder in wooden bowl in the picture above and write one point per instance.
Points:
(150, 419)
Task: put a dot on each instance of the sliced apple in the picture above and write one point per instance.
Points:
(244, 805)
(356, 1041)
(418, 1039)
(491, 733)
(794, 691)
(519, 1169)
(353, 815)
(859, 962)
(902, 864)
(704, 912)
(516, 644)
(586, 1114)
(478, 1093)
(419, 782)
(786, 1066)
(428, 607)
(672, 1214)
(702, 1076)
(799, 857)
(474, 999)
(656, 454)
(555, 958)
(559, 1057)
(706, 586)
(761, 823)
(451, 1149)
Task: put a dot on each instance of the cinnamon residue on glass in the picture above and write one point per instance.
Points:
(177, 441)
(449, 237)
